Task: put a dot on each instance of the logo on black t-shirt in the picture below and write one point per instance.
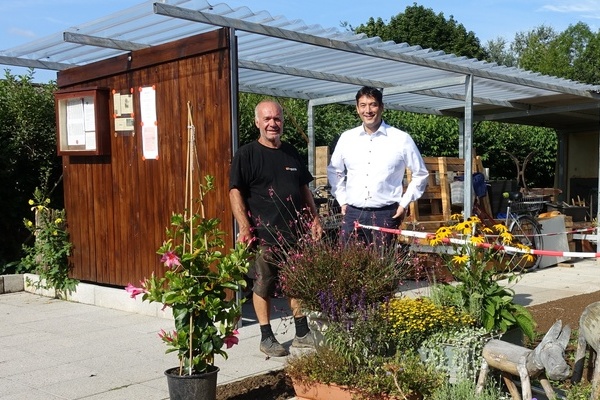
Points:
(291, 169)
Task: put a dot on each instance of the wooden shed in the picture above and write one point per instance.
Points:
(121, 189)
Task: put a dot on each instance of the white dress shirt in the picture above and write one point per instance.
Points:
(368, 170)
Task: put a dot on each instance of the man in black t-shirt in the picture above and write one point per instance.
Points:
(268, 187)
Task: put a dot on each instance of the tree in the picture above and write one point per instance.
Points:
(422, 26)
(498, 51)
(28, 157)
(586, 68)
(532, 48)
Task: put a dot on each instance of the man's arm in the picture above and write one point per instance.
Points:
(240, 213)
(336, 175)
(419, 174)
(309, 203)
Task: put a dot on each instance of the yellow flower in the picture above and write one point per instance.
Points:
(58, 221)
(54, 233)
(506, 237)
(460, 258)
(529, 257)
(474, 219)
(500, 228)
(477, 239)
(31, 202)
(435, 241)
(47, 201)
(443, 232)
(468, 228)
(29, 223)
(40, 207)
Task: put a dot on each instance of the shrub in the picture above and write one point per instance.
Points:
(412, 320)
(49, 255)
(339, 279)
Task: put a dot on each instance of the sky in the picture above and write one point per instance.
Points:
(25, 21)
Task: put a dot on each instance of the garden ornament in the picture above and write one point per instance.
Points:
(589, 339)
(546, 361)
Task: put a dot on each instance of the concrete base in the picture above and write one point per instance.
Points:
(11, 283)
(86, 293)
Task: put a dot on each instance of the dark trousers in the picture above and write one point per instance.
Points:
(379, 217)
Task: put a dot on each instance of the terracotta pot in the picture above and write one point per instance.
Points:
(320, 391)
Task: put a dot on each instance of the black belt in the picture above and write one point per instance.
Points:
(382, 208)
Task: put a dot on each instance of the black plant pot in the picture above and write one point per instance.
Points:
(192, 387)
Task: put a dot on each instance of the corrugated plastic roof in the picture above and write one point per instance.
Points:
(282, 57)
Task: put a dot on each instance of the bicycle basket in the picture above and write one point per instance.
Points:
(528, 203)
(333, 221)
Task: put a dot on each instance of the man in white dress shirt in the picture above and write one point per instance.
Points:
(367, 170)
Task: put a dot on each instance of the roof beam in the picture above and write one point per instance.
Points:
(269, 91)
(256, 66)
(252, 27)
(422, 110)
(479, 100)
(28, 63)
(541, 111)
(459, 80)
(102, 42)
(304, 73)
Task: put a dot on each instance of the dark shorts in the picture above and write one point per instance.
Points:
(265, 273)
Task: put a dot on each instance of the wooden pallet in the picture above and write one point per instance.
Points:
(436, 203)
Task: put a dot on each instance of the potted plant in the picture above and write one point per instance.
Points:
(198, 284)
(367, 360)
(456, 352)
(475, 253)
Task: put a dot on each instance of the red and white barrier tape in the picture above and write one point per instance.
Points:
(508, 249)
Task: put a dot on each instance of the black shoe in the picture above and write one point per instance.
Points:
(304, 342)
(272, 348)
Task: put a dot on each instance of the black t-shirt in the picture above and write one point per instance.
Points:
(270, 181)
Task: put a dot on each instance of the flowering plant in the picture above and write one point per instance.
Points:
(49, 254)
(195, 286)
(337, 279)
(476, 251)
(412, 320)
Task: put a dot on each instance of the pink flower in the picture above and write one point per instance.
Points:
(232, 340)
(170, 259)
(134, 291)
(167, 336)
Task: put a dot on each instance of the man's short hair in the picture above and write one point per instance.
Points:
(370, 92)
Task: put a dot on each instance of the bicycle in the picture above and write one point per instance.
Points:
(522, 211)
(328, 208)
(521, 222)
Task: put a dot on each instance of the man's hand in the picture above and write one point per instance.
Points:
(245, 235)
(399, 213)
(343, 208)
(316, 229)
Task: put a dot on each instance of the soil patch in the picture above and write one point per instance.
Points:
(276, 386)
(272, 386)
(568, 310)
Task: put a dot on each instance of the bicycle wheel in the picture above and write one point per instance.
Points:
(526, 231)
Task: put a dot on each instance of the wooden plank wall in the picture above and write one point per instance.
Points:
(119, 205)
